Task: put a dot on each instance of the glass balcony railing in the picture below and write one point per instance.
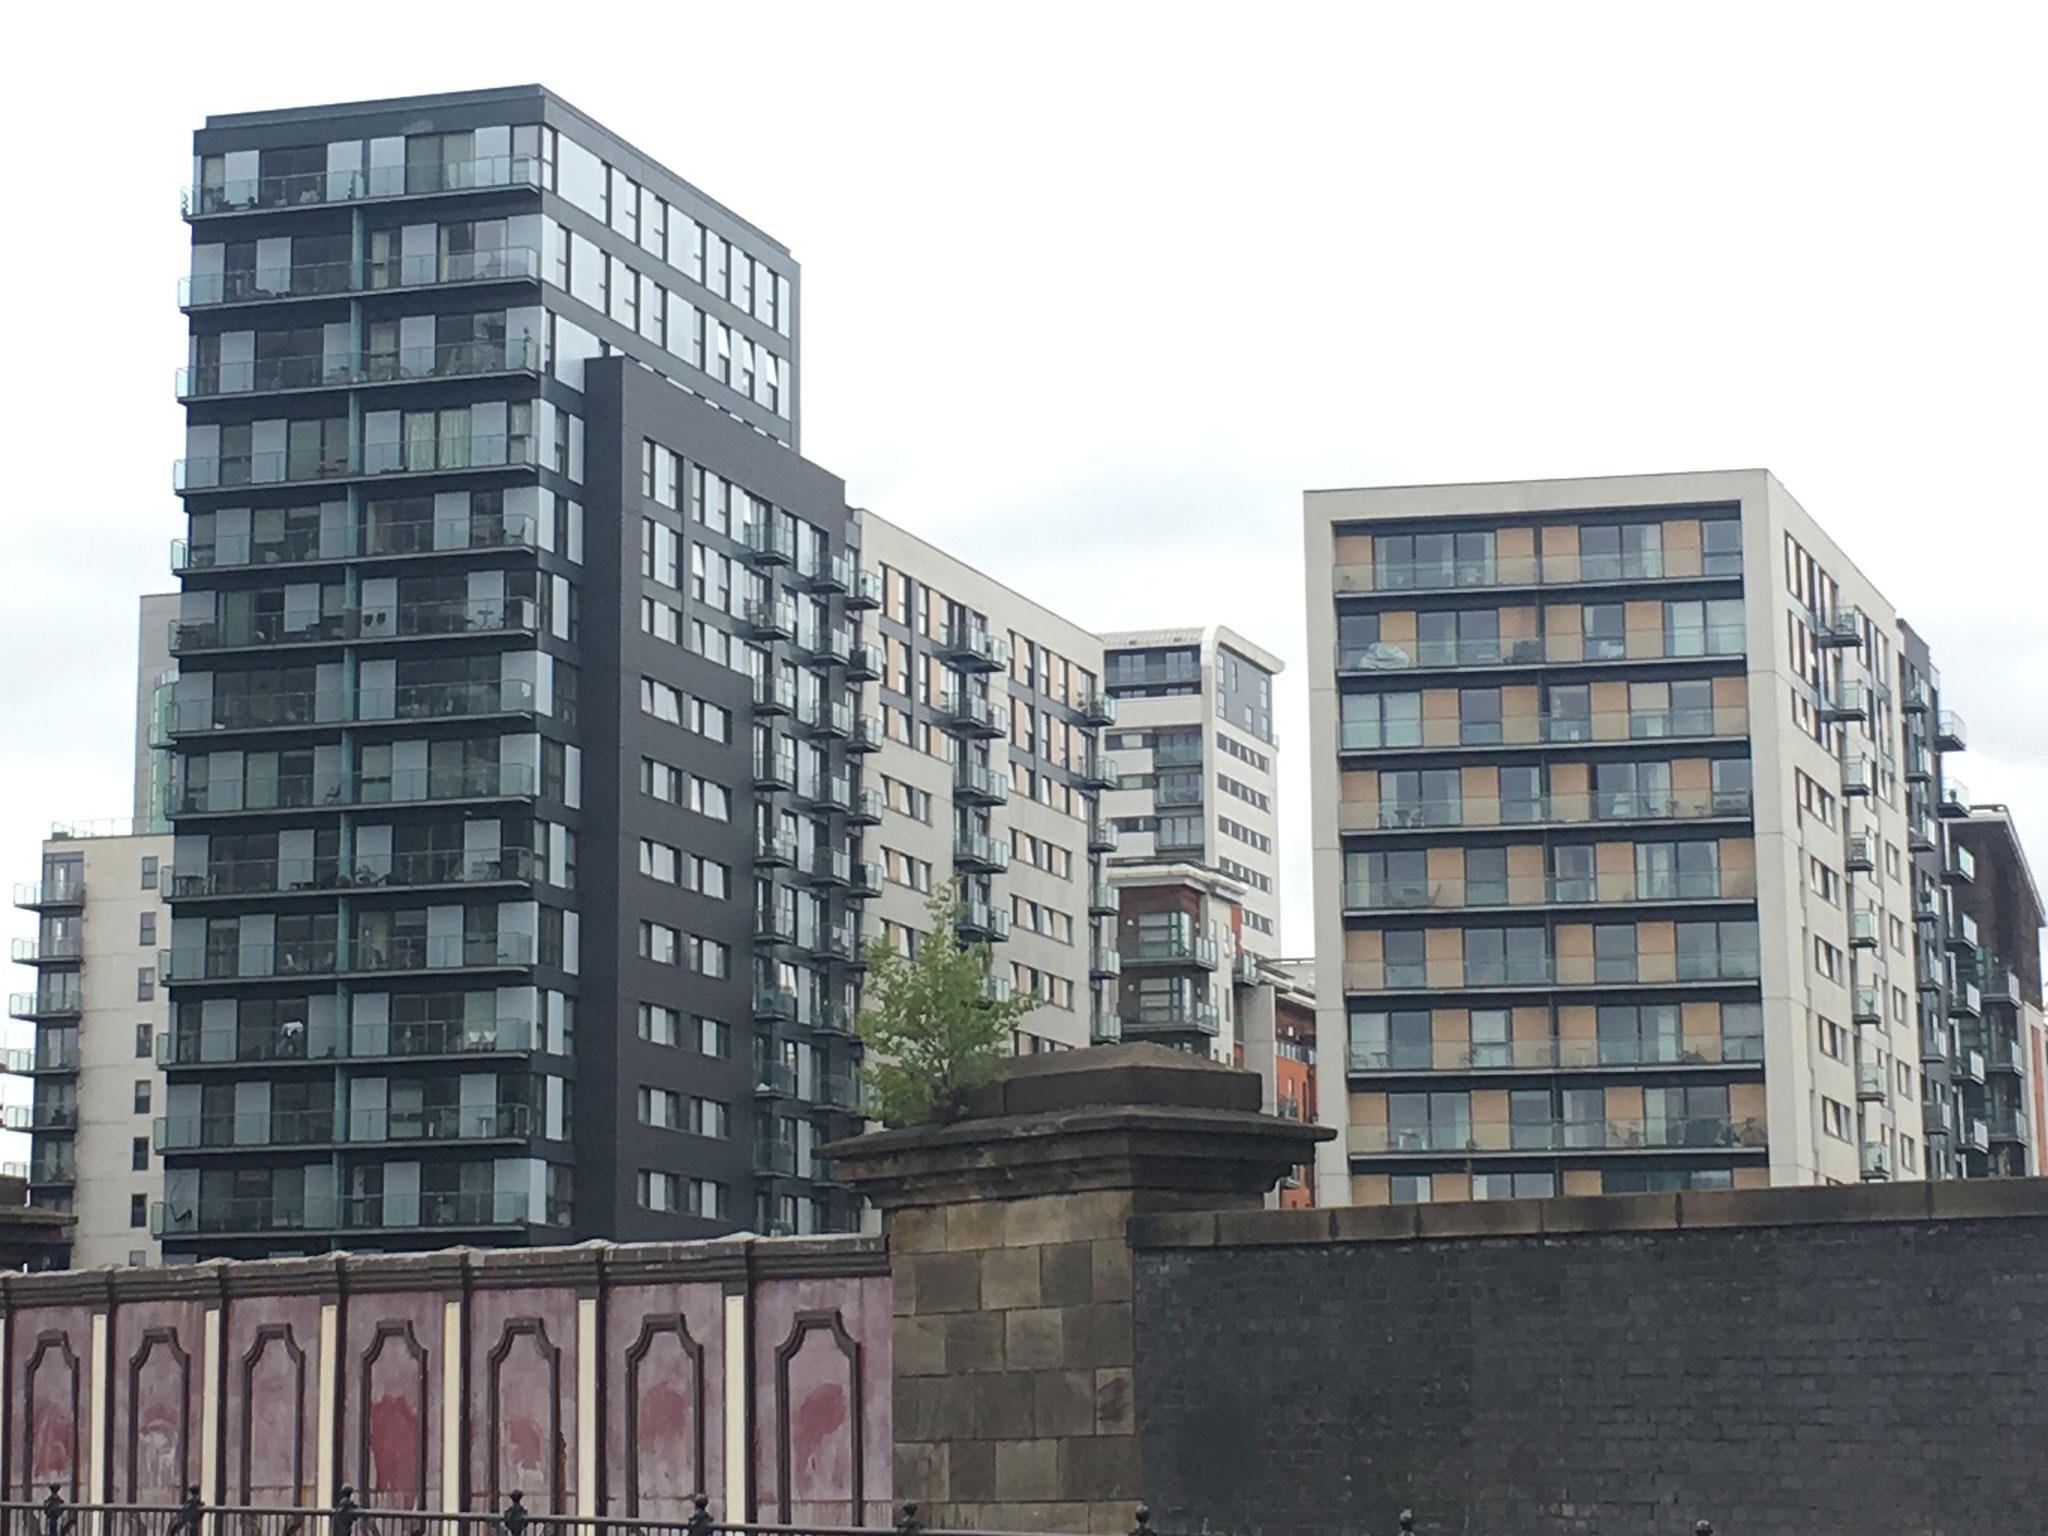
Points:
(1542, 970)
(447, 1122)
(261, 1128)
(410, 701)
(444, 360)
(441, 952)
(1551, 890)
(1687, 1133)
(258, 1214)
(1189, 1016)
(315, 957)
(1452, 573)
(231, 1045)
(409, 786)
(1620, 1052)
(64, 891)
(404, 620)
(323, 279)
(440, 701)
(1372, 734)
(44, 1004)
(1171, 949)
(420, 456)
(978, 850)
(409, 536)
(238, 877)
(301, 189)
(1571, 648)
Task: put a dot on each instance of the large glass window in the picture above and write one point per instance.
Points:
(1486, 877)
(1425, 798)
(1479, 716)
(1568, 714)
(1721, 547)
(1605, 631)
(1381, 720)
(1423, 1122)
(1400, 1039)
(1614, 952)
(1630, 1034)
(1433, 561)
(1490, 1043)
(1571, 873)
(1406, 959)
(1521, 795)
(1694, 1116)
(1396, 879)
(1631, 791)
(1358, 642)
(1627, 553)
(1731, 785)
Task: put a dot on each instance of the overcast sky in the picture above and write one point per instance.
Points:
(1092, 292)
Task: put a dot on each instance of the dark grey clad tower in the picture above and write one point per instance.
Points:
(517, 871)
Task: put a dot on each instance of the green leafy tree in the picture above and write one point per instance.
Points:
(930, 1022)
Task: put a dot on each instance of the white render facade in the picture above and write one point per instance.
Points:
(1197, 760)
(97, 1011)
(1627, 825)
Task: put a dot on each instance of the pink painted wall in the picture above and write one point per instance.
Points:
(50, 1376)
(664, 1396)
(271, 1410)
(156, 1385)
(819, 1384)
(822, 1453)
(390, 1420)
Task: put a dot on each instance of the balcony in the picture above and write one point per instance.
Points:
(866, 808)
(48, 895)
(1245, 969)
(774, 1005)
(775, 767)
(974, 784)
(230, 1045)
(980, 852)
(1105, 1029)
(1861, 857)
(1865, 925)
(2009, 1126)
(413, 786)
(828, 645)
(1859, 776)
(1192, 1016)
(303, 189)
(1871, 1086)
(2001, 986)
(1098, 772)
(1102, 899)
(1967, 1067)
(774, 1078)
(1096, 709)
(55, 1061)
(1976, 1136)
(774, 1158)
(867, 881)
(409, 621)
(1919, 764)
(836, 941)
(982, 922)
(774, 850)
(59, 951)
(830, 1018)
(768, 543)
(1544, 1053)
(1921, 836)
(433, 867)
(1841, 629)
(1965, 1001)
(38, 1006)
(449, 360)
(774, 693)
(864, 663)
(1918, 696)
(769, 618)
(195, 476)
(843, 1093)
(1684, 724)
(255, 1216)
(315, 280)
(966, 713)
(1697, 1133)
(1173, 949)
(1848, 701)
(775, 924)
(1102, 837)
(971, 647)
(1950, 733)
(1866, 1006)
(1954, 801)
(1934, 1044)
(827, 792)
(824, 866)
(996, 989)
(1877, 1162)
(2008, 1056)
(867, 734)
(1960, 868)
(1104, 963)
(864, 588)
(825, 720)
(1962, 931)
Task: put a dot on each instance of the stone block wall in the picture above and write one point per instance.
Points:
(1012, 1350)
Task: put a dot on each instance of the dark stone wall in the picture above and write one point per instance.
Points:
(1798, 1379)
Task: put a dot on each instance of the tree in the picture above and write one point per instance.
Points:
(931, 1023)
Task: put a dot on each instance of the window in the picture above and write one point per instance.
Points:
(709, 1117)
(138, 1216)
(145, 984)
(1406, 963)
(1400, 1039)
(661, 1026)
(1513, 1186)
(146, 930)
(661, 1108)
(149, 872)
(1479, 716)
(1491, 1046)
(1721, 547)
(1834, 1040)
(1836, 1119)
(1717, 951)
(1571, 873)
(1647, 1034)
(1433, 561)
(1742, 1031)
(1827, 959)
(657, 1191)
(142, 1047)
(1408, 1189)
(1605, 631)
(1500, 956)
(138, 1153)
(1486, 876)
(1614, 951)
(1626, 553)
(1423, 1122)
(1521, 795)
(142, 1096)
(1429, 798)
(714, 1038)
(1373, 720)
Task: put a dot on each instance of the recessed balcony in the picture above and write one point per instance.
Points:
(1189, 1017)
(331, 279)
(1170, 950)
(205, 475)
(310, 188)
(402, 365)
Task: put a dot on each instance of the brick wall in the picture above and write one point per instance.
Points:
(1785, 1363)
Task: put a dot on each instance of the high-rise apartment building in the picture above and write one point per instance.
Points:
(97, 1011)
(1195, 752)
(989, 772)
(1628, 817)
(1995, 1058)
(516, 867)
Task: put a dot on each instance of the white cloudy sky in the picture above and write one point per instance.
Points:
(1093, 291)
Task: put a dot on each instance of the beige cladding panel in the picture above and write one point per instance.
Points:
(1582, 1181)
(1449, 1026)
(1363, 944)
(1563, 633)
(1561, 552)
(1526, 1024)
(1490, 1106)
(1682, 547)
(1525, 862)
(1578, 1021)
(1753, 1178)
(1656, 951)
(1692, 773)
(1624, 1103)
(1521, 623)
(1450, 1186)
(1445, 864)
(1700, 1027)
(1369, 1189)
(1398, 629)
(1514, 544)
(1643, 628)
(1368, 1109)
(1746, 1101)
(1738, 867)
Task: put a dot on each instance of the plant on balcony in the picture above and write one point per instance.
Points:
(931, 1021)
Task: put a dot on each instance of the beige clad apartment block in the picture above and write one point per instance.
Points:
(1803, 800)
